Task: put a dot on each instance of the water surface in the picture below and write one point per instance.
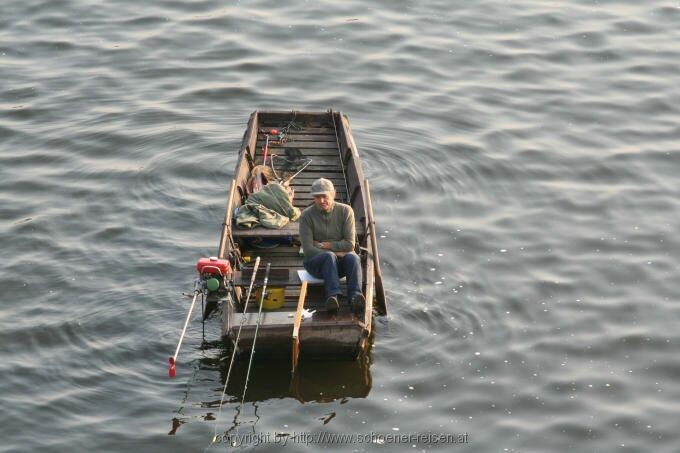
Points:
(523, 159)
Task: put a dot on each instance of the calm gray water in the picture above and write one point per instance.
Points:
(524, 160)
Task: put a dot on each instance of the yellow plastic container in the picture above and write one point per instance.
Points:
(273, 298)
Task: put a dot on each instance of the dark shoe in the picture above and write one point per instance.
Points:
(358, 304)
(332, 304)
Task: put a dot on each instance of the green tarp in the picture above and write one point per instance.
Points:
(270, 208)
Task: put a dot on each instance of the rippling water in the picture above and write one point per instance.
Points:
(524, 164)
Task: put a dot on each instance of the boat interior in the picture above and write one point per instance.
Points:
(322, 141)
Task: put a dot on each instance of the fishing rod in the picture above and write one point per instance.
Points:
(342, 163)
(238, 336)
(257, 327)
(266, 148)
(290, 178)
(252, 351)
(172, 360)
(309, 161)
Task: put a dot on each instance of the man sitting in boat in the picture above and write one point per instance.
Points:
(327, 233)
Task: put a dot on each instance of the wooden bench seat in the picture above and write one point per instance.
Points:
(277, 277)
(292, 229)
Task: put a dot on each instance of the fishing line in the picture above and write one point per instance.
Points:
(257, 328)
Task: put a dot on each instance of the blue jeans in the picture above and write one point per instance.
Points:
(331, 268)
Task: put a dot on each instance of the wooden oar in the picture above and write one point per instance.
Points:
(379, 289)
(296, 325)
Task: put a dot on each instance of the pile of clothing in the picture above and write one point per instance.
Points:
(270, 207)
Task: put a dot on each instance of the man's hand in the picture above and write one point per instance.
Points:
(323, 245)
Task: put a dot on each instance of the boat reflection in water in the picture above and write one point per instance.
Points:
(318, 381)
(313, 380)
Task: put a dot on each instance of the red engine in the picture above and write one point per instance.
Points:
(213, 266)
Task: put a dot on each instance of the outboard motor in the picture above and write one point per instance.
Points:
(213, 271)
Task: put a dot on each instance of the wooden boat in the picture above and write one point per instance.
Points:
(326, 139)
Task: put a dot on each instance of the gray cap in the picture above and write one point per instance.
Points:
(322, 186)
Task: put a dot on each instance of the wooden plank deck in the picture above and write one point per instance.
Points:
(311, 141)
(319, 144)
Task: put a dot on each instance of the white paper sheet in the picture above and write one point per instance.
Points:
(306, 276)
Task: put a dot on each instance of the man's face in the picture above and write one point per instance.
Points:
(324, 201)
